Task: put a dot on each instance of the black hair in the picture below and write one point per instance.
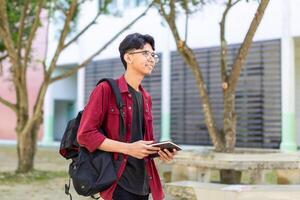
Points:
(134, 41)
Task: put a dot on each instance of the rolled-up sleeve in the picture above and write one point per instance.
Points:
(88, 134)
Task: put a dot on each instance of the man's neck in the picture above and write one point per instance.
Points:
(133, 79)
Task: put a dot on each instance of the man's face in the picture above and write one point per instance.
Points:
(142, 60)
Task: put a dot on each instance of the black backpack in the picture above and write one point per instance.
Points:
(93, 172)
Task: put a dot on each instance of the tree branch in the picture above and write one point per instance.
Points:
(8, 104)
(233, 4)
(22, 92)
(224, 43)
(6, 37)
(3, 57)
(170, 18)
(37, 114)
(5, 33)
(243, 51)
(1, 68)
(63, 35)
(83, 30)
(84, 63)
(186, 26)
(21, 26)
(33, 32)
(189, 58)
(1, 65)
(186, 8)
(224, 50)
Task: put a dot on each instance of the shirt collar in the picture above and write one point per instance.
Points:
(123, 85)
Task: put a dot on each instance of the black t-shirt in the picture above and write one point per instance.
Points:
(134, 178)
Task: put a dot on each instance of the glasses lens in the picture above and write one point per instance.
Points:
(149, 55)
(156, 58)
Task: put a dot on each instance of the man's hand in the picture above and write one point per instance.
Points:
(166, 155)
(141, 149)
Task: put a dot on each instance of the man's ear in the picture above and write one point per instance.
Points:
(128, 58)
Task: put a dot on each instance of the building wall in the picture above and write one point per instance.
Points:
(297, 79)
(258, 102)
(203, 27)
(64, 89)
(59, 105)
(34, 80)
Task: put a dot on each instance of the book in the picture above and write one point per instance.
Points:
(165, 145)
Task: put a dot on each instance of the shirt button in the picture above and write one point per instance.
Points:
(150, 177)
(129, 95)
(129, 107)
(112, 110)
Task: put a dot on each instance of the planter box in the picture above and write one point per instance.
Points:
(196, 165)
(192, 190)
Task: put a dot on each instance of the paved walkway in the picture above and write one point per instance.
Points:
(46, 159)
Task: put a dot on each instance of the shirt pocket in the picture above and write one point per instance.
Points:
(113, 119)
(148, 122)
(148, 116)
(147, 113)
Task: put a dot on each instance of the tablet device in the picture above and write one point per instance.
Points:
(165, 145)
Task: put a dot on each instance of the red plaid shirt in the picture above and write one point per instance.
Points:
(101, 110)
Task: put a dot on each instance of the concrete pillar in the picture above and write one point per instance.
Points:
(297, 90)
(48, 117)
(88, 10)
(288, 142)
(166, 89)
(80, 89)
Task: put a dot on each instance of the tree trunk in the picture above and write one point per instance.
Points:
(229, 121)
(229, 176)
(26, 148)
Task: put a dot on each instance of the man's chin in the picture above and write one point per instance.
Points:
(148, 73)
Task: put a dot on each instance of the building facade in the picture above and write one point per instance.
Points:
(268, 94)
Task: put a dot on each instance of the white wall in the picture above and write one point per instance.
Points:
(65, 89)
(203, 32)
(203, 27)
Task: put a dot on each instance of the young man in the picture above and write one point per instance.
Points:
(137, 174)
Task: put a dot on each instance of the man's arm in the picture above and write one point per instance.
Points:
(139, 149)
(93, 115)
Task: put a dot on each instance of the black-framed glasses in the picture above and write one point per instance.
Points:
(148, 55)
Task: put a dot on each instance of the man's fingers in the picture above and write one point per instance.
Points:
(174, 151)
(147, 142)
(150, 148)
(164, 155)
(168, 152)
(151, 151)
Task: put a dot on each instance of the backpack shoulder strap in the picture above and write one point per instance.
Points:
(115, 89)
(119, 102)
